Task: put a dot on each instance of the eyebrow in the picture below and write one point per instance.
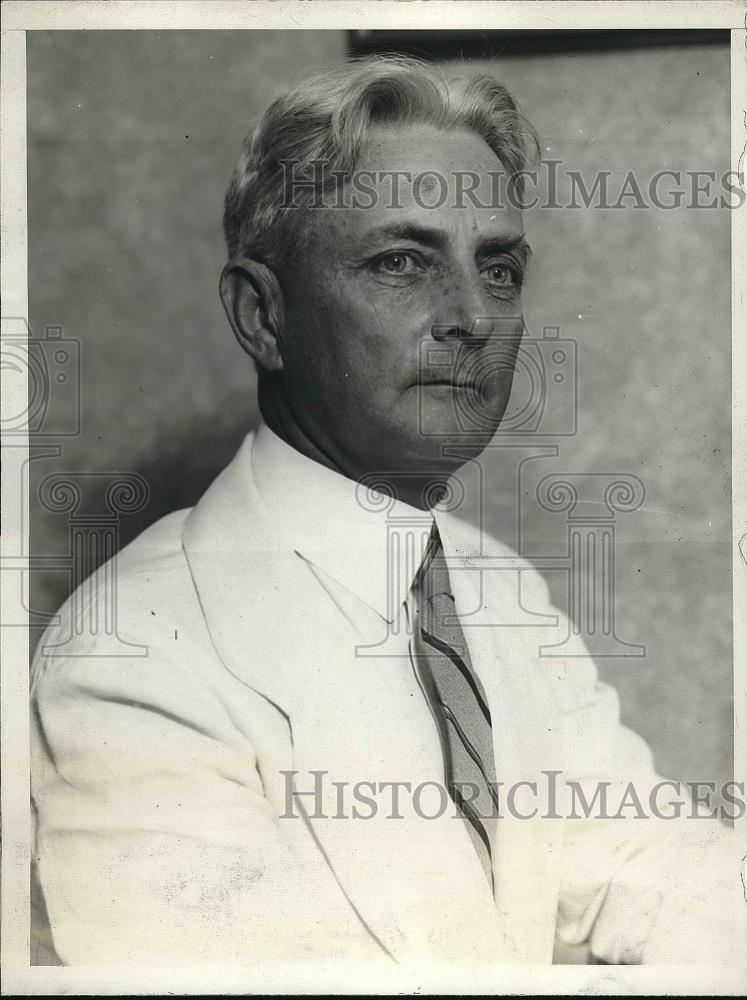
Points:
(439, 238)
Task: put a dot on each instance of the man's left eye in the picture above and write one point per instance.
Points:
(500, 275)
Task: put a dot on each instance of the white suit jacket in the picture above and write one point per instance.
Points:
(257, 620)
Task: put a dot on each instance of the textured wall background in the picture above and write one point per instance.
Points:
(132, 137)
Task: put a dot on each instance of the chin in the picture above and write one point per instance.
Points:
(434, 436)
(450, 442)
(441, 455)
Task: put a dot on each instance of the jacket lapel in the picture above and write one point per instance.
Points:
(355, 718)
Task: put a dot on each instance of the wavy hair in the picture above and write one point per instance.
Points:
(328, 118)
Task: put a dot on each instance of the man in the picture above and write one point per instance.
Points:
(329, 755)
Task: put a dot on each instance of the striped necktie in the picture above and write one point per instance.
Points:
(456, 698)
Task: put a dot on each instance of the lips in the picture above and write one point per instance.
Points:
(450, 383)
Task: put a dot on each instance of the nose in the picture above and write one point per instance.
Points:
(481, 328)
(462, 309)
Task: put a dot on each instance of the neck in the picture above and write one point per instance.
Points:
(416, 490)
(279, 417)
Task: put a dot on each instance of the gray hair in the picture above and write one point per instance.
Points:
(328, 118)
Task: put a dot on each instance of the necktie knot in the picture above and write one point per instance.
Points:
(433, 576)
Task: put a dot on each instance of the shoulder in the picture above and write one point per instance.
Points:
(136, 605)
(495, 554)
(130, 653)
(152, 568)
(157, 548)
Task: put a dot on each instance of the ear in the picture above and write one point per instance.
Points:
(253, 301)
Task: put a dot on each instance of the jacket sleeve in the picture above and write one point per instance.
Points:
(644, 881)
(155, 841)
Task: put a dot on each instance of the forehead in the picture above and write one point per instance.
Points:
(418, 147)
(422, 174)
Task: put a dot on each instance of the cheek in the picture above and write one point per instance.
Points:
(367, 340)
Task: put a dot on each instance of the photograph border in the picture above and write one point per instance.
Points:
(19, 977)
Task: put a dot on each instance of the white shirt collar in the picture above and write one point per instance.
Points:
(370, 543)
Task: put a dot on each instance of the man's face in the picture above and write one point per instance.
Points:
(370, 369)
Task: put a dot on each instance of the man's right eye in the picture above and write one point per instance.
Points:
(397, 263)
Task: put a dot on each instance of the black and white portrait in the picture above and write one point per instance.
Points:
(377, 553)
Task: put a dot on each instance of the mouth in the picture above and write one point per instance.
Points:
(446, 384)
